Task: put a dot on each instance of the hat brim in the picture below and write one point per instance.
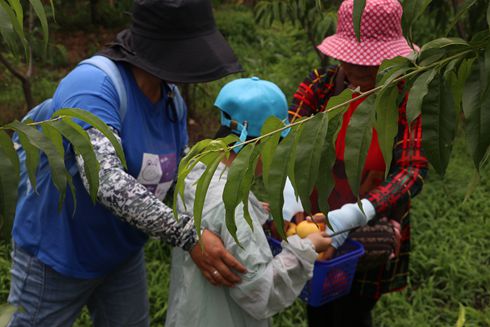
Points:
(193, 60)
(366, 52)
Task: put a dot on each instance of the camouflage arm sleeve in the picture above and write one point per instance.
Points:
(132, 202)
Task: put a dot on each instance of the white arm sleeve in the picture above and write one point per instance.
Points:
(272, 285)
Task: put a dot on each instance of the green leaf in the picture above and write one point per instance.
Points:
(96, 123)
(412, 10)
(296, 132)
(488, 15)
(9, 181)
(82, 146)
(337, 100)
(233, 193)
(56, 162)
(7, 31)
(438, 124)
(6, 313)
(19, 12)
(476, 108)
(464, 9)
(202, 187)
(270, 143)
(456, 78)
(307, 157)
(246, 184)
(41, 14)
(439, 48)
(185, 167)
(325, 181)
(461, 317)
(57, 139)
(357, 16)
(32, 159)
(386, 123)
(357, 142)
(8, 147)
(416, 95)
(277, 180)
(17, 27)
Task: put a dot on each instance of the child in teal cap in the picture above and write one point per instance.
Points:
(271, 283)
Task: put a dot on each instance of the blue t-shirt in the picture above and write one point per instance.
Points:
(89, 241)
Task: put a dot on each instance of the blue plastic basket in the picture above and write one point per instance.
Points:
(332, 278)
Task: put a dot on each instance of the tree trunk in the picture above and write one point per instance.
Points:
(25, 81)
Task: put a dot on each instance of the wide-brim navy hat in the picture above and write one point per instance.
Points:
(176, 41)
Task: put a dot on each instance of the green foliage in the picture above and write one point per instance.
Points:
(48, 140)
(308, 14)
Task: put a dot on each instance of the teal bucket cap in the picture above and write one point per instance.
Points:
(248, 102)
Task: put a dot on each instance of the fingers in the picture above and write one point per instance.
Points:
(223, 275)
(215, 262)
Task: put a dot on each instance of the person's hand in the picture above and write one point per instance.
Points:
(398, 238)
(266, 206)
(320, 241)
(215, 262)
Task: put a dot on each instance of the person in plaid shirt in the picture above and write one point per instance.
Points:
(381, 38)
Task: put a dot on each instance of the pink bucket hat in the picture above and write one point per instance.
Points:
(381, 34)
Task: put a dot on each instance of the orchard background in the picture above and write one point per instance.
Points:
(450, 265)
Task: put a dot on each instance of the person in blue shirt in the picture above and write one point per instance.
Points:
(92, 254)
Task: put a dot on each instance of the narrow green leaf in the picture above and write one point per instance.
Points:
(357, 16)
(461, 317)
(277, 180)
(41, 14)
(202, 187)
(246, 184)
(412, 10)
(388, 79)
(325, 181)
(357, 142)
(456, 77)
(416, 95)
(9, 181)
(82, 146)
(17, 27)
(7, 31)
(32, 158)
(386, 124)
(6, 313)
(296, 134)
(185, 167)
(270, 143)
(8, 147)
(439, 48)
(476, 108)
(334, 101)
(19, 12)
(57, 139)
(54, 136)
(438, 124)
(307, 157)
(464, 9)
(56, 162)
(488, 15)
(96, 123)
(232, 194)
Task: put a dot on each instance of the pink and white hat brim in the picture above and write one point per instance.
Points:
(366, 52)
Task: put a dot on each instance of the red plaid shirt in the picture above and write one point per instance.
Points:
(391, 196)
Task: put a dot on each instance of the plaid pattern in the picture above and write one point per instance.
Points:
(391, 197)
